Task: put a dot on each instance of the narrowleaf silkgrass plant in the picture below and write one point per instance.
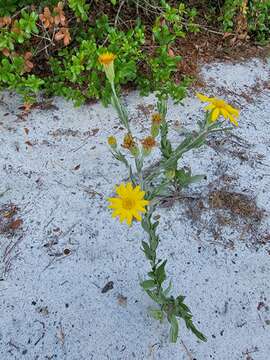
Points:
(138, 199)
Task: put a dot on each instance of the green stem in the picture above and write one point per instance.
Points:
(119, 108)
(170, 306)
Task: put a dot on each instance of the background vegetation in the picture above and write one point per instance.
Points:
(54, 46)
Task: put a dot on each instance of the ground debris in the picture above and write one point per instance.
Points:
(107, 287)
(122, 300)
(9, 220)
(237, 203)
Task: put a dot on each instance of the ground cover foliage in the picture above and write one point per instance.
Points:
(54, 46)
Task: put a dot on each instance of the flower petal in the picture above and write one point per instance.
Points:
(209, 107)
(215, 114)
(233, 120)
(232, 110)
(203, 97)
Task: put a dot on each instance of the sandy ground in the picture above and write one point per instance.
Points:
(60, 246)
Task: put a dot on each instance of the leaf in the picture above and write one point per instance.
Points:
(15, 224)
(167, 291)
(196, 178)
(155, 297)
(160, 272)
(195, 331)
(147, 251)
(156, 314)
(174, 329)
(148, 284)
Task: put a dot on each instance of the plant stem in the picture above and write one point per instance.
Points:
(119, 108)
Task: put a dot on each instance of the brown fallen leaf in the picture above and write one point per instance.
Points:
(15, 224)
(122, 300)
(28, 143)
(46, 18)
(5, 52)
(63, 34)
(26, 130)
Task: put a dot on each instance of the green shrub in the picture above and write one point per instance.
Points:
(72, 66)
(257, 14)
(54, 48)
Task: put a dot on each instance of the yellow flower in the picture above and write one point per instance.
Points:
(129, 204)
(129, 142)
(107, 58)
(156, 119)
(112, 141)
(218, 108)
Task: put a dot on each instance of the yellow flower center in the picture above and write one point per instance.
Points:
(219, 103)
(128, 204)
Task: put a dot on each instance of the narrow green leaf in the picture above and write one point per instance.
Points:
(174, 329)
(160, 272)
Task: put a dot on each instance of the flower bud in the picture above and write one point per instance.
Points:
(148, 143)
(112, 142)
(170, 174)
(107, 60)
(135, 151)
(156, 119)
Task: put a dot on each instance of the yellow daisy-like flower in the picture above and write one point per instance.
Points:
(107, 58)
(219, 107)
(129, 204)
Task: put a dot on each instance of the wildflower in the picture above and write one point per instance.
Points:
(148, 143)
(156, 119)
(129, 142)
(107, 60)
(112, 142)
(218, 108)
(129, 204)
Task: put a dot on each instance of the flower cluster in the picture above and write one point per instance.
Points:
(137, 199)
